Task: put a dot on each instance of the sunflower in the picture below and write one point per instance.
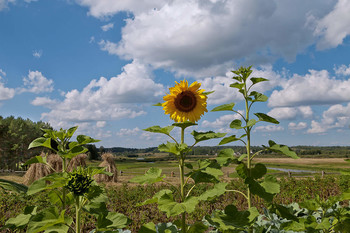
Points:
(185, 102)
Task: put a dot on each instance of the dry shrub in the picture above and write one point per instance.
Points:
(109, 164)
(55, 162)
(35, 172)
(77, 161)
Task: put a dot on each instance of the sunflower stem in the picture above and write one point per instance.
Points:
(182, 179)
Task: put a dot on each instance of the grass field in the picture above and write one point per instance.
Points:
(131, 168)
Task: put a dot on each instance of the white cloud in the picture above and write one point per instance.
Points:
(342, 70)
(108, 46)
(107, 27)
(101, 124)
(128, 132)
(104, 100)
(221, 122)
(297, 126)
(37, 54)
(106, 8)
(335, 26)
(335, 117)
(197, 38)
(5, 92)
(35, 82)
(290, 113)
(316, 87)
(4, 3)
(44, 101)
(269, 128)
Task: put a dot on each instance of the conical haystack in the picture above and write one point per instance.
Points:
(77, 161)
(109, 164)
(55, 162)
(35, 172)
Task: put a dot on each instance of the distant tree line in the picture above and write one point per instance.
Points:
(15, 136)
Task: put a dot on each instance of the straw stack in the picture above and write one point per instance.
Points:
(109, 164)
(35, 172)
(77, 161)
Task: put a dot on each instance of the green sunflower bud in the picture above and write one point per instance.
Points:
(79, 182)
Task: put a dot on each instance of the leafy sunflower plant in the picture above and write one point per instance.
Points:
(185, 104)
(253, 174)
(69, 192)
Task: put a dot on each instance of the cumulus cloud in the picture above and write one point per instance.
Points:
(197, 38)
(335, 117)
(106, 8)
(128, 132)
(335, 26)
(290, 113)
(103, 100)
(36, 82)
(107, 27)
(268, 128)
(314, 88)
(5, 92)
(297, 126)
(342, 70)
(44, 101)
(4, 3)
(37, 54)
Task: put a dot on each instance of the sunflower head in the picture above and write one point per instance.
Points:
(185, 103)
(79, 182)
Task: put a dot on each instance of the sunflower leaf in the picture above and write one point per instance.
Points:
(281, 149)
(184, 125)
(267, 118)
(236, 124)
(153, 175)
(208, 92)
(225, 157)
(229, 139)
(258, 80)
(224, 107)
(203, 136)
(258, 97)
(173, 148)
(157, 129)
(157, 105)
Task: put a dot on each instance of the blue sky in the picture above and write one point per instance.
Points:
(102, 64)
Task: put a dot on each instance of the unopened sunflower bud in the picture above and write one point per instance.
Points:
(79, 182)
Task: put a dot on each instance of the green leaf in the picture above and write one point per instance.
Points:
(258, 97)
(266, 118)
(242, 170)
(229, 139)
(285, 212)
(148, 228)
(258, 189)
(231, 219)
(258, 171)
(258, 80)
(77, 150)
(13, 186)
(156, 197)
(21, 220)
(208, 171)
(173, 148)
(208, 92)
(45, 142)
(184, 125)
(113, 220)
(153, 175)
(83, 139)
(203, 136)
(157, 129)
(225, 157)
(157, 105)
(251, 123)
(36, 159)
(237, 85)
(224, 107)
(50, 218)
(271, 185)
(218, 190)
(282, 149)
(71, 131)
(236, 124)
(197, 227)
(167, 204)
